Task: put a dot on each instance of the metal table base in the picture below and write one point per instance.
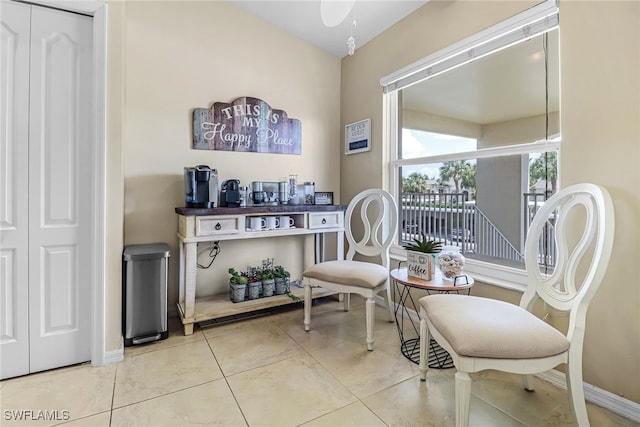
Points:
(438, 356)
(405, 312)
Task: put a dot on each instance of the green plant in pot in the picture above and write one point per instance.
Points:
(237, 285)
(282, 280)
(424, 245)
(254, 290)
(237, 278)
(421, 257)
(268, 283)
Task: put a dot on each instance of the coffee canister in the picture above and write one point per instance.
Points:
(257, 192)
(283, 192)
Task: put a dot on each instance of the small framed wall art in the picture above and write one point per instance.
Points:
(357, 137)
(324, 197)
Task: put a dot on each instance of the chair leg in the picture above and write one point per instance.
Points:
(346, 301)
(424, 347)
(307, 306)
(370, 317)
(575, 388)
(527, 381)
(463, 398)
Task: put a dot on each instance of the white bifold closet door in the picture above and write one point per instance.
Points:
(46, 193)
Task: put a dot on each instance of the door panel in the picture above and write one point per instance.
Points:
(14, 200)
(60, 290)
(60, 188)
(45, 194)
(59, 67)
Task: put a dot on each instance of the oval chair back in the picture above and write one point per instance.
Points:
(571, 234)
(372, 216)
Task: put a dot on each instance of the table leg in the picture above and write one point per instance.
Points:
(340, 244)
(319, 252)
(181, 269)
(188, 328)
(340, 256)
(190, 270)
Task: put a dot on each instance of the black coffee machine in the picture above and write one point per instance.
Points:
(201, 187)
(230, 193)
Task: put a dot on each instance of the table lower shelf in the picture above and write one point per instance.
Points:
(220, 306)
(438, 356)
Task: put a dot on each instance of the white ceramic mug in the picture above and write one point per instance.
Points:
(286, 222)
(272, 223)
(257, 223)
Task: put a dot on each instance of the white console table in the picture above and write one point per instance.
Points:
(197, 225)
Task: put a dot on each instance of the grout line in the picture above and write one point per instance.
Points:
(113, 393)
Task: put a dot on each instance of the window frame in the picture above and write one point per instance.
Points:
(534, 21)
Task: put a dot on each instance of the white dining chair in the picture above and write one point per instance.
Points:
(483, 333)
(376, 212)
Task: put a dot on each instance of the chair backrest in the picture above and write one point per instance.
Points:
(379, 217)
(581, 204)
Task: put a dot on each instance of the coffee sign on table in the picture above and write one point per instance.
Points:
(246, 125)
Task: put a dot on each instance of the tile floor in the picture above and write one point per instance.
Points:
(267, 371)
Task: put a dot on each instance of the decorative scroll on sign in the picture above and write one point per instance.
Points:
(247, 125)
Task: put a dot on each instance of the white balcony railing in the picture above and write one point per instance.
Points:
(451, 219)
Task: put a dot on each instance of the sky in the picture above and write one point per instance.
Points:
(417, 143)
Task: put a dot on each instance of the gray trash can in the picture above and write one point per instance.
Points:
(144, 293)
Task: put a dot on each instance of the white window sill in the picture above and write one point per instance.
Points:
(501, 276)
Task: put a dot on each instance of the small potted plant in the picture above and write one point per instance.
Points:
(281, 279)
(268, 283)
(255, 283)
(237, 286)
(421, 257)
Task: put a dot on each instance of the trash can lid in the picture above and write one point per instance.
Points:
(148, 251)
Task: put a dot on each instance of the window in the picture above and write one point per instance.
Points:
(473, 135)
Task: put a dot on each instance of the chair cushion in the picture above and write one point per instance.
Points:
(351, 273)
(483, 327)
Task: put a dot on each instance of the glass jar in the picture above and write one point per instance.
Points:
(450, 262)
(309, 193)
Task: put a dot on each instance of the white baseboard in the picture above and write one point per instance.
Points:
(603, 398)
(600, 397)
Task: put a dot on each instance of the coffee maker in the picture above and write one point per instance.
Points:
(230, 193)
(201, 187)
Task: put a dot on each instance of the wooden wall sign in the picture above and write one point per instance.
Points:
(246, 125)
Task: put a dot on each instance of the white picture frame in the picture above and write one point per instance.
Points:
(357, 137)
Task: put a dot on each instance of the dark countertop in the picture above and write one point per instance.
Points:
(259, 210)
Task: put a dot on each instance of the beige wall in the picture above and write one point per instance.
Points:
(166, 58)
(114, 217)
(186, 55)
(175, 56)
(600, 122)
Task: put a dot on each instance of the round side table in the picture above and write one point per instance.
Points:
(407, 314)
